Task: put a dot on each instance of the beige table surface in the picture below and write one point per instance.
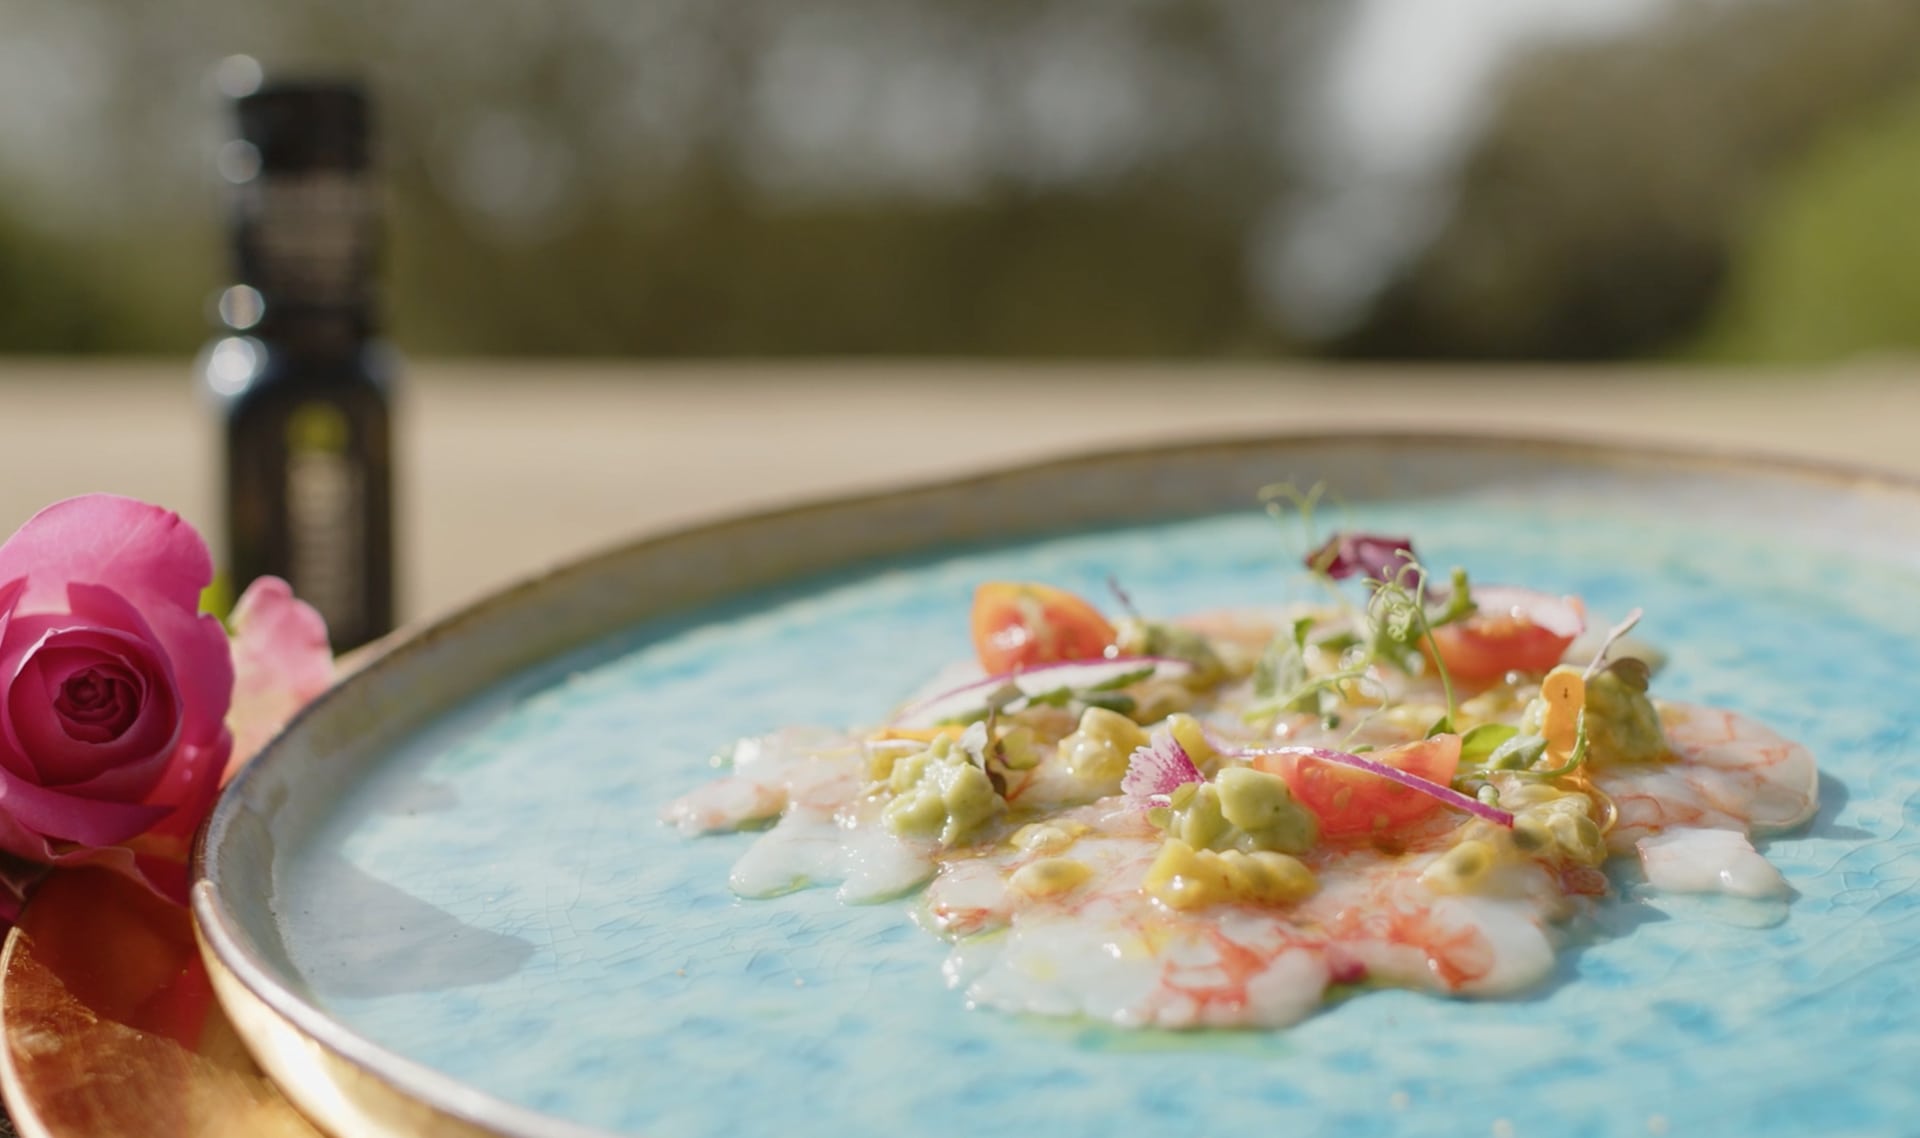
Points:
(506, 467)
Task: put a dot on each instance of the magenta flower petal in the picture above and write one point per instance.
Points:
(89, 705)
(1371, 556)
(1156, 770)
(194, 645)
(281, 661)
(66, 817)
(191, 785)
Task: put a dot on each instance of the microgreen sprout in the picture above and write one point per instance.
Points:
(1283, 666)
(1402, 622)
(980, 746)
(1576, 758)
(1613, 636)
(1305, 693)
(1278, 496)
(1401, 613)
(996, 752)
(1105, 693)
(1013, 691)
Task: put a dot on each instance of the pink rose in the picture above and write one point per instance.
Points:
(115, 688)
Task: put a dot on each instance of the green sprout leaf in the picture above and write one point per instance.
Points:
(1516, 752)
(1477, 745)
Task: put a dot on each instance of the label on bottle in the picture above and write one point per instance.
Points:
(326, 517)
(307, 239)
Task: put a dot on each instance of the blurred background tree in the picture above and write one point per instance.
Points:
(1408, 178)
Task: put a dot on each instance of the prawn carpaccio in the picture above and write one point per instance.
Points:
(1217, 821)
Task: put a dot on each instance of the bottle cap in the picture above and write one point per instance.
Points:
(297, 126)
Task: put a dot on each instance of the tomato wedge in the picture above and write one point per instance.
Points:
(1020, 625)
(1349, 801)
(1515, 630)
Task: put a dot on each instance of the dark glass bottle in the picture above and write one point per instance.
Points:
(302, 382)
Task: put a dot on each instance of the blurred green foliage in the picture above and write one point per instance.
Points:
(1123, 273)
(1832, 266)
(141, 292)
(1627, 194)
(1172, 178)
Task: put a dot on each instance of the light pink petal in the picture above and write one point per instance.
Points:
(281, 661)
(1158, 769)
(146, 554)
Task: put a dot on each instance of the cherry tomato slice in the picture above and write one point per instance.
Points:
(1020, 625)
(1348, 801)
(1516, 630)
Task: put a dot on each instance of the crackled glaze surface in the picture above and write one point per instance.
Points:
(497, 900)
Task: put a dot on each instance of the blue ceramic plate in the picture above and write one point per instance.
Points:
(445, 890)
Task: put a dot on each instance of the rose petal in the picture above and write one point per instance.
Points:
(10, 594)
(65, 817)
(191, 784)
(131, 761)
(45, 753)
(281, 661)
(195, 646)
(18, 878)
(159, 857)
(98, 700)
(163, 872)
(22, 637)
(146, 554)
(160, 866)
(11, 757)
